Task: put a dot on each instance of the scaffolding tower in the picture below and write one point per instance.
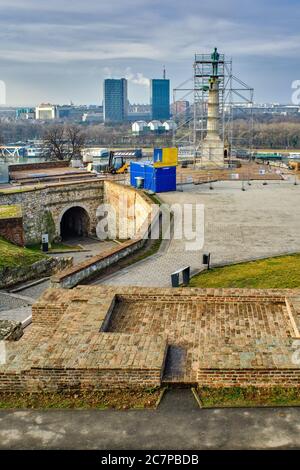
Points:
(235, 97)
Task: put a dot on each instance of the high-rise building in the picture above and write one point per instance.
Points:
(160, 98)
(115, 100)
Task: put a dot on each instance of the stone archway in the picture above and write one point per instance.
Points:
(74, 223)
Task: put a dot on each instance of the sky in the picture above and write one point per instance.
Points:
(59, 51)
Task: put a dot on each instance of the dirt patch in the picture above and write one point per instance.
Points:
(116, 399)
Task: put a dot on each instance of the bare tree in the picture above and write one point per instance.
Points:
(76, 139)
(55, 147)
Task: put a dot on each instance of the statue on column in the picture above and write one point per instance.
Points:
(215, 60)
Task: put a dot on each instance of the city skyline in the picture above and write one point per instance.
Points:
(80, 45)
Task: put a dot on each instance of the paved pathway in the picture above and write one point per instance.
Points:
(239, 225)
(177, 424)
(17, 306)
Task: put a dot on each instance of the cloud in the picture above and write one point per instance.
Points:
(134, 38)
(57, 31)
(137, 78)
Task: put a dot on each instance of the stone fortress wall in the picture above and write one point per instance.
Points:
(55, 199)
(100, 337)
(134, 214)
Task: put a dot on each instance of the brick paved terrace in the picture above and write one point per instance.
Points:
(107, 337)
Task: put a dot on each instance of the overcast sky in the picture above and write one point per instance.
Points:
(61, 50)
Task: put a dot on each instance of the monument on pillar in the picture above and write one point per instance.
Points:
(212, 145)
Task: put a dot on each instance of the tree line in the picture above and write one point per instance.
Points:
(65, 141)
(275, 134)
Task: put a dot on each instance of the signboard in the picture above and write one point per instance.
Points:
(45, 242)
(262, 171)
(235, 176)
(45, 238)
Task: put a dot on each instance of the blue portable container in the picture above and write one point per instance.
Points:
(157, 180)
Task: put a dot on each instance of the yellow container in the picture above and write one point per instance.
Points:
(169, 157)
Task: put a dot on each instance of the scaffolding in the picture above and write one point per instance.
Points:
(235, 98)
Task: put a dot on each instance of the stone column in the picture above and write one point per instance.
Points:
(212, 146)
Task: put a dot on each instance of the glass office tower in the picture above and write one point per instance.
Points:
(115, 100)
(160, 99)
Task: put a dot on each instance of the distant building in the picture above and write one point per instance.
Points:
(139, 112)
(133, 117)
(271, 109)
(169, 126)
(139, 127)
(156, 127)
(115, 100)
(25, 113)
(46, 111)
(80, 113)
(7, 114)
(92, 117)
(180, 109)
(160, 98)
(139, 108)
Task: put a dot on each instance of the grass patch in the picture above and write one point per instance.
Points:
(281, 272)
(12, 256)
(116, 399)
(249, 396)
(21, 190)
(9, 212)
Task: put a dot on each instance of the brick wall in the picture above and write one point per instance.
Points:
(249, 377)
(65, 380)
(37, 166)
(12, 230)
(77, 380)
(71, 345)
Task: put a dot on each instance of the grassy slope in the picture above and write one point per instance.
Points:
(14, 256)
(279, 272)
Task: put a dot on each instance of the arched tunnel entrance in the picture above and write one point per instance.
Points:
(74, 223)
